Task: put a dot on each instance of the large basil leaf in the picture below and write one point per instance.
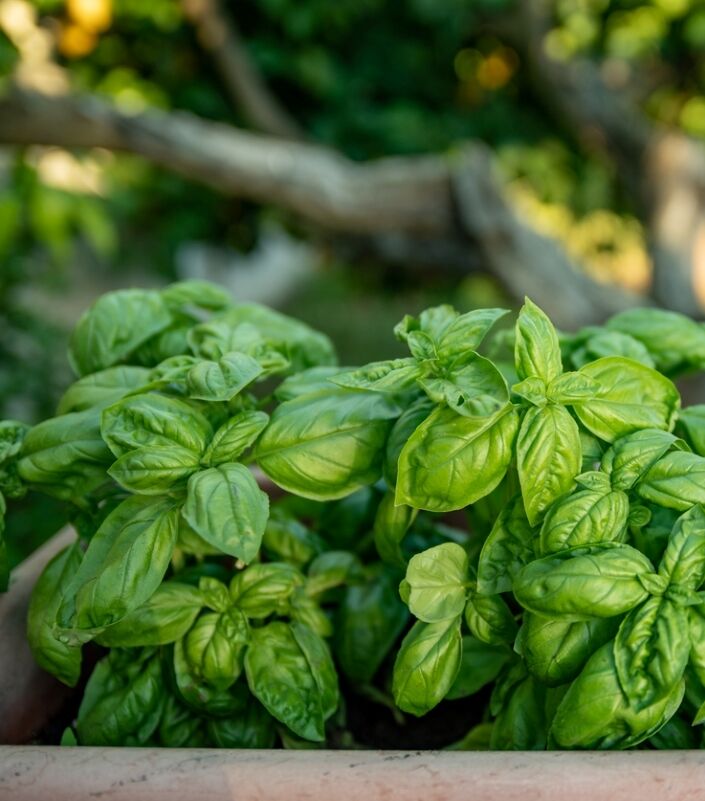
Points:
(103, 388)
(292, 678)
(595, 713)
(368, 621)
(154, 470)
(651, 651)
(577, 584)
(426, 665)
(264, 589)
(508, 547)
(225, 506)
(676, 481)
(586, 517)
(215, 647)
(114, 326)
(154, 421)
(631, 457)
(451, 461)
(123, 701)
(683, 562)
(125, 563)
(65, 456)
(222, 380)
(555, 650)
(436, 581)
(391, 524)
(50, 653)
(536, 350)
(393, 375)
(235, 437)
(165, 617)
(479, 665)
(548, 457)
(182, 296)
(327, 445)
(631, 397)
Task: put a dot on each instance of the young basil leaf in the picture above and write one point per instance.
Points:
(332, 569)
(480, 664)
(555, 650)
(651, 651)
(683, 562)
(592, 450)
(522, 722)
(125, 563)
(183, 295)
(103, 388)
(611, 343)
(65, 456)
(691, 424)
(215, 647)
(586, 517)
(286, 538)
(676, 481)
(631, 397)
(233, 438)
(393, 375)
(154, 470)
(437, 583)
(391, 524)
(410, 419)
(222, 380)
(490, 620)
(595, 713)
(368, 621)
(327, 445)
(225, 506)
(302, 608)
(451, 461)
(548, 457)
(631, 457)
(123, 701)
(215, 594)
(536, 349)
(572, 388)
(163, 618)
(50, 653)
(263, 589)
(116, 325)
(252, 728)
(292, 678)
(426, 665)
(153, 420)
(577, 584)
(508, 547)
(459, 336)
(532, 389)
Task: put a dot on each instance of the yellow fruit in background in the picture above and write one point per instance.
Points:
(75, 41)
(94, 16)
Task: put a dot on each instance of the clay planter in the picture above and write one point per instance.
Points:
(29, 698)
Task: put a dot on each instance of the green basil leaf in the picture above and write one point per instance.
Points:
(253, 728)
(122, 703)
(393, 375)
(696, 630)
(437, 583)
(286, 538)
(592, 451)
(651, 651)
(327, 445)
(50, 653)
(594, 480)
(595, 713)
(676, 734)
(225, 506)
(224, 379)
(320, 664)
(691, 421)
(125, 563)
(522, 722)
(165, 617)
(426, 665)
(556, 650)
(462, 334)
(612, 343)
(233, 438)
(179, 727)
(586, 517)
(306, 382)
(683, 562)
(548, 457)
(490, 620)
(332, 569)
(153, 420)
(391, 524)
(536, 350)
(572, 388)
(215, 647)
(65, 456)
(302, 608)
(508, 547)
(182, 295)
(292, 678)
(154, 470)
(451, 461)
(480, 664)
(676, 481)
(263, 589)
(631, 457)
(577, 584)
(116, 325)
(103, 388)
(368, 621)
(215, 594)
(631, 397)
(532, 389)
(402, 429)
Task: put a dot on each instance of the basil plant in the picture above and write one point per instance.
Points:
(512, 516)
